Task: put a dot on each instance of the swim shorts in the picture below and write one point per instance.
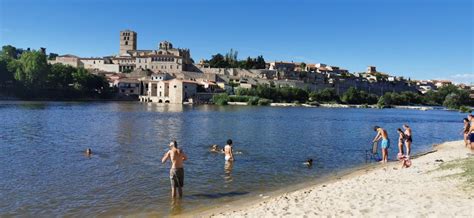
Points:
(177, 177)
(385, 143)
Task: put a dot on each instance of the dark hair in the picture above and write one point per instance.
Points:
(376, 127)
(175, 143)
(229, 141)
(400, 130)
(465, 120)
(470, 115)
(406, 125)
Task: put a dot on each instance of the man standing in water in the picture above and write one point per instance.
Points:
(177, 158)
(229, 154)
(382, 134)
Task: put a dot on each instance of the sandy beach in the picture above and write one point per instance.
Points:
(437, 184)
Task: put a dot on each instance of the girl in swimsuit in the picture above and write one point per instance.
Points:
(408, 139)
(401, 139)
(466, 129)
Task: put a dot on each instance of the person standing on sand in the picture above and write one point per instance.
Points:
(401, 140)
(471, 130)
(177, 158)
(465, 131)
(382, 134)
(408, 139)
(228, 151)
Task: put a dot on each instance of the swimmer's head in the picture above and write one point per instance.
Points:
(229, 141)
(174, 144)
(465, 120)
(88, 151)
(376, 128)
(399, 130)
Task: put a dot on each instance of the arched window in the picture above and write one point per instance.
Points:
(126, 42)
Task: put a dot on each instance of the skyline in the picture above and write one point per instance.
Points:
(415, 39)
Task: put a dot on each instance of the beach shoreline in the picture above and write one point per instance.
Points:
(343, 194)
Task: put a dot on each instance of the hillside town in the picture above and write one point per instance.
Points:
(169, 75)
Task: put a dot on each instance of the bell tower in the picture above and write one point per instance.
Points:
(128, 41)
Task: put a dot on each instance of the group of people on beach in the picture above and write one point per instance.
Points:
(468, 131)
(404, 138)
(177, 158)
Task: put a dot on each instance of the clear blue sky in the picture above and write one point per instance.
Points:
(422, 39)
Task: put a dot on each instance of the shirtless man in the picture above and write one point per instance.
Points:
(408, 139)
(382, 134)
(177, 158)
(228, 152)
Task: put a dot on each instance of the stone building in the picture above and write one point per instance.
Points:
(166, 59)
(128, 41)
(174, 91)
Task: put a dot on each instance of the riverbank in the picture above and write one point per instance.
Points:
(335, 105)
(435, 185)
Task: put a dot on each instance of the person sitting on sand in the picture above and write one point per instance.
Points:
(401, 139)
(177, 158)
(382, 134)
(228, 151)
(465, 131)
(408, 139)
(406, 162)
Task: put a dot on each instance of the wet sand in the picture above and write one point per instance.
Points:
(425, 189)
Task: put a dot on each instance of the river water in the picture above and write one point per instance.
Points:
(44, 171)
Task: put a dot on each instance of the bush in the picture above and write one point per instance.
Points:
(238, 98)
(253, 100)
(465, 109)
(220, 99)
(264, 101)
(325, 95)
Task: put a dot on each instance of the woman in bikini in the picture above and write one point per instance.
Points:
(408, 139)
(401, 140)
(465, 131)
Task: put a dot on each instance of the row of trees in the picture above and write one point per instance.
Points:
(28, 74)
(230, 60)
(449, 96)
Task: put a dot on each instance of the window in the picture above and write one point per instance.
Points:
(171, 67)
(126, 42)
(175, 86)
(131, 91)
(124, 38)
(185, 87)
(160, 93)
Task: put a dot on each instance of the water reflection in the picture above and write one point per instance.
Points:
(228, 166)
(176, 207)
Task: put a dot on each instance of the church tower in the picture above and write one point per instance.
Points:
(128, 41)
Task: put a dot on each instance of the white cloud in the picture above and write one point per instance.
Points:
(466, 78)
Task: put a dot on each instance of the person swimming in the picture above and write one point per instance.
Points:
(88, 152)
(309, 162)
(214, 148)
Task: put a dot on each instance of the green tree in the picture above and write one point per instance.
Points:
(9, 52)
(33, 69)
(218, 61)
(352, 96)
(61, 75)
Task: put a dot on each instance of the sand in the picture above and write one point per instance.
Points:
(425, 189)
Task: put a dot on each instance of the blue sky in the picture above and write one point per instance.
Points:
(421, 39)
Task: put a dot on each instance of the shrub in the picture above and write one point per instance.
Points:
(220, 99)
(264, 101)
(253, 100)
(465, 109)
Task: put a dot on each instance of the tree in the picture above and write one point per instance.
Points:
(352, 96)
(33, 69)
(61, 75)
(218, 61)
(303, 66)
(9, 52)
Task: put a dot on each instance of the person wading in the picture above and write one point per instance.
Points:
(177, 158)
